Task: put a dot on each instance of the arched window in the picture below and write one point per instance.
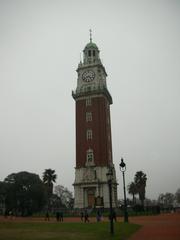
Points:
(88, 101)
(89, 134)
(89, 156)
(88, 116)
(89, 53)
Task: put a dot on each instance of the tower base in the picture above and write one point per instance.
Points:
(91, 188)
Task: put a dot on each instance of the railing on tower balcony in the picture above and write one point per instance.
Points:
(89, 90)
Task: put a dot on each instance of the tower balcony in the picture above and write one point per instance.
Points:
(89, 62)
(89, 91)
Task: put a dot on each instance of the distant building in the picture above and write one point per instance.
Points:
(93, 133)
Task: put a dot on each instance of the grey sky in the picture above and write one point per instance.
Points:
(40, 45)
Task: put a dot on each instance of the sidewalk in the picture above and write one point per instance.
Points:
(160, 227)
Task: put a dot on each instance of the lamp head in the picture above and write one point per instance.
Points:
(122, 165)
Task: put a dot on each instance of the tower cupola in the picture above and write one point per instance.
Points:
(91, 52)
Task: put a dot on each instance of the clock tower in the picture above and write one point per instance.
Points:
(93, 133)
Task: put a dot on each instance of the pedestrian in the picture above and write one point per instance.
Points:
(6, 213)
(61, 216)
(82, 216)
(86, 216)
(57, 216)
(98, 216)
(47, 216)
(114, 216)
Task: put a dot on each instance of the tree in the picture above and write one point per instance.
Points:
(166, 200)
(3, 193)
(25, 193)
(177, 195)
(49, 177)
(132, 190)
(140, 182)
(3, 188)
(65, 195)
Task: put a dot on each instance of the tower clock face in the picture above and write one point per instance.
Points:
(88, 76)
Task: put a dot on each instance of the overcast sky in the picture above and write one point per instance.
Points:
(40, 46)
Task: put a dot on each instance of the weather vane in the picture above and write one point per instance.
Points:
(90, 31)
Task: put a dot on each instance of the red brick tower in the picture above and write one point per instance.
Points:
(93, 133)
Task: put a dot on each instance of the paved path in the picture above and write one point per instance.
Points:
(160, 227)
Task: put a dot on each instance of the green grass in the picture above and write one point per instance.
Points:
(65, 231)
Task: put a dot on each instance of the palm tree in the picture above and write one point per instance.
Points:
(132, 190)
(49, 177)
(140, 181)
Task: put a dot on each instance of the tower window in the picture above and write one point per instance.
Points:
(88, 101)
(94, 53)
(89, 134)
(110, 156)
(95, 174)
(89, 156)
(89, 53)
(88, 116)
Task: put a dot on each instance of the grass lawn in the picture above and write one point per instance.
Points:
(64, 231)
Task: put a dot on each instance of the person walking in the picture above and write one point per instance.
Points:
(82, 216)
(57, 216)
(114, 216)
(47, 216)
(86, 216)
(61, 217)
(98, 216)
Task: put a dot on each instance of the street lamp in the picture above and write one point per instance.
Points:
(122, 167)
(109, 175)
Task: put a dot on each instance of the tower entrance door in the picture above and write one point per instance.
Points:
(91, 197)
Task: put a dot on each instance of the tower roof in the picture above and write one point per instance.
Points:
(91, 45)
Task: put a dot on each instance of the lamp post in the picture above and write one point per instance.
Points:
(122, 167)
(109, 175)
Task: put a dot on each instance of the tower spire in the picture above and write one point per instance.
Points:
(90, 32)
